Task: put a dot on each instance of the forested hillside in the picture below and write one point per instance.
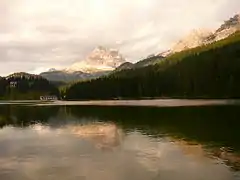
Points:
(210, 71)
(25, 86)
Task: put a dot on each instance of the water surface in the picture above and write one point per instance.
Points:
(119, 143)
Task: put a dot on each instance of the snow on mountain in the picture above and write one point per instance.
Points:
(194, 39)
(229, 27)
(202, 37)
(100, 59)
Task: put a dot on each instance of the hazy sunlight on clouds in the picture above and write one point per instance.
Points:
(51, 33)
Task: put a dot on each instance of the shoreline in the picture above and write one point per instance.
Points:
(143, 103)
(147, 103)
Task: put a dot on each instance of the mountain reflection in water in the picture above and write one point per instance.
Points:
(104, 135)
(118, 143)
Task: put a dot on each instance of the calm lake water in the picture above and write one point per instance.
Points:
(119, 143)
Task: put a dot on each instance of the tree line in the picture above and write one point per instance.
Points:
(25, 86)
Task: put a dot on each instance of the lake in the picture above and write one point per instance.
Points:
(73, 141)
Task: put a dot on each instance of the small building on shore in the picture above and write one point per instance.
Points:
(48, 98)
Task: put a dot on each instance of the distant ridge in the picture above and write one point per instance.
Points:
(23, 75)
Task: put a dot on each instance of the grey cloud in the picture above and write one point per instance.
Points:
(43, 33)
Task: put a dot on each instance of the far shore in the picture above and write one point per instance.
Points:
(153, 102)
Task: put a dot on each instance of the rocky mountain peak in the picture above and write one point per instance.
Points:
(100, 59)
(231, 23)
(228, 27)
(52, 70)
(194, 39)
(99, 62)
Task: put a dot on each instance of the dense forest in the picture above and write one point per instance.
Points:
(210, 71)
(19, 86)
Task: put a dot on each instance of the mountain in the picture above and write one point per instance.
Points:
(25, 86)
(150, 60)
(124, 66)
(100, 61)
(194, 39)
(228, 27)
(203, 37)
(66, 76)
(209, 71)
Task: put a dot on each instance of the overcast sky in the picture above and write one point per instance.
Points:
(40, 34)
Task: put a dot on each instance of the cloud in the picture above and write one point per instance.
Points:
(48, 33)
